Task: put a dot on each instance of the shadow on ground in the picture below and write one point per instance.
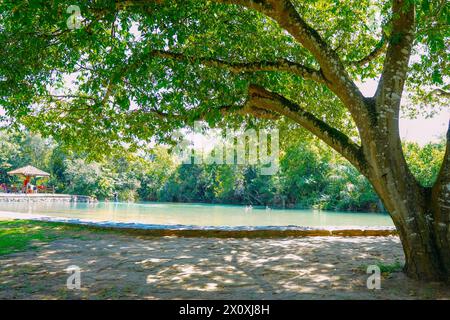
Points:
(124, 267)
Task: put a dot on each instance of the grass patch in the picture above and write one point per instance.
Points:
(386, 269)
(390, 268)
(21, 235)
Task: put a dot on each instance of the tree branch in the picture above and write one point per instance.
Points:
(282, 65)
(395, 67)
(332, 68)
(441, 92)
(261, 98)
(70, 96)
(379, 49)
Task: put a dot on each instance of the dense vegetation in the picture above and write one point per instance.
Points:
(310, 175)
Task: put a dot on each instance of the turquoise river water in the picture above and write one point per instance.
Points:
(199, 214)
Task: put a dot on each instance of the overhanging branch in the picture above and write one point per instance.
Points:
(331, 66)
(282, 65)
(332, 70)
(264, 99)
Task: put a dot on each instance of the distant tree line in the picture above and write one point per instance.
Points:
(310, 175)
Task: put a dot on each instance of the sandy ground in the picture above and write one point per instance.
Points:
(126, 267)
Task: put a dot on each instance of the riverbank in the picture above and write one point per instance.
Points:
(44, 198)
(120, 266)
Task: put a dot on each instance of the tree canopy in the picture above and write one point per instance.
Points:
(140, 69)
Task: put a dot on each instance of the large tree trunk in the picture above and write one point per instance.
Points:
(425, 240)
(421, 215)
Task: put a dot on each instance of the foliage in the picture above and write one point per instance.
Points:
(348, 190)
(424, 162)
(121, 91)
(17, 150)
(310, 175)
(429, 79)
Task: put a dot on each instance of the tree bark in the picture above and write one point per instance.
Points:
(420, 214)
(425, 239)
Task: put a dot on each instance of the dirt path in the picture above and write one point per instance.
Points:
(125, 267)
